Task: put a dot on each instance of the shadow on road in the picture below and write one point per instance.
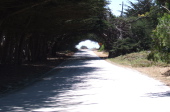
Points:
(42, 94)
(159, 94)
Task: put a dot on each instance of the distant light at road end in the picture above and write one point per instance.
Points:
(89, 44)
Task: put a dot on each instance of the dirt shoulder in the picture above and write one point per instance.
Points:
(153, 72)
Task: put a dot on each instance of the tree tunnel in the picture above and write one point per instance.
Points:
(32, 30)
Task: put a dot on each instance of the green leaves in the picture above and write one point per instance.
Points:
(29, 24)
(161, 40)
(139, 7)
(162, 31)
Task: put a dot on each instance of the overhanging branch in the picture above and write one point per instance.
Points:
(23, 10)
(138, 19)
(165, 8)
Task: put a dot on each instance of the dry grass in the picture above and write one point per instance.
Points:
(138, 61)
(156, 73)
(101, 54)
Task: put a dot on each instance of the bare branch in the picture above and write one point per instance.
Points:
(165, 8)
(138, 19)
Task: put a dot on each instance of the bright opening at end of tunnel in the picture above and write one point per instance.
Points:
(89, 44)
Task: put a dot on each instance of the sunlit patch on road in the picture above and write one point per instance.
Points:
(85, 83)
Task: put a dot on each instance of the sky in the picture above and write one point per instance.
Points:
(89, 44)
(116, 7)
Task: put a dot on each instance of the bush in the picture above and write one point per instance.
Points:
(161, 40)
(102, 48)
(141, 34)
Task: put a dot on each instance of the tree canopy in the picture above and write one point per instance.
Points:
(31, 29)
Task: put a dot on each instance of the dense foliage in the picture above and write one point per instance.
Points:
(161, 40)
(138, 8)
(133, 32)
(30, 30)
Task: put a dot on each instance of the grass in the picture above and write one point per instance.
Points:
(139, 62)
(138, 59)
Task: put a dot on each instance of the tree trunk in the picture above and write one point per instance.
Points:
(5, 50)
(1, 42)
(38, 48)
(20, 50)
(44, 50)
(111, 54)
(32, 48)
(10, 51)
(54, 49)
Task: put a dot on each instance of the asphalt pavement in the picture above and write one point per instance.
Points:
(86, 83)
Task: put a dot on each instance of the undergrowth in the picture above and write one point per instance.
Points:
(138, 59)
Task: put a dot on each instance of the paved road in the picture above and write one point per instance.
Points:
(86, 83)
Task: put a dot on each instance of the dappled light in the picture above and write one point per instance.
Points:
(48, 60)
(87, 83)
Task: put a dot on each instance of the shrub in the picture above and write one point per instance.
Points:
(102, 48)
(161, 40)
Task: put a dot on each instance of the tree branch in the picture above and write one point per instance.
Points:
(138, 19)
(165, 8)
(23, 10)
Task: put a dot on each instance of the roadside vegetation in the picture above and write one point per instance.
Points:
(143, 26)
(138, 59)
(141, 38)
(32, 30)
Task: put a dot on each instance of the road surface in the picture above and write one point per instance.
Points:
(86, 83)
